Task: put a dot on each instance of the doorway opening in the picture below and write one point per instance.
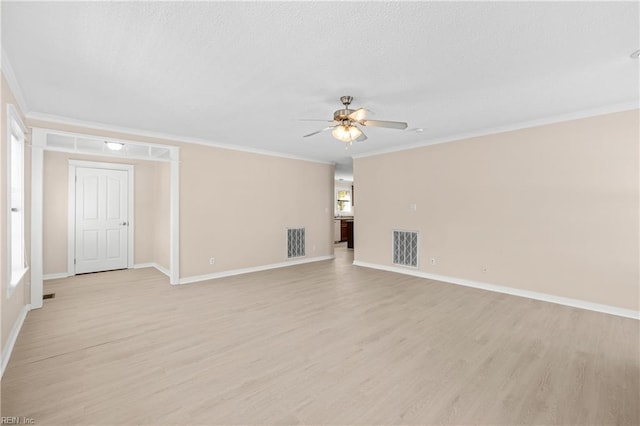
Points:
(107, 246)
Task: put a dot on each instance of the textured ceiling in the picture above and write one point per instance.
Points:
(243, 73)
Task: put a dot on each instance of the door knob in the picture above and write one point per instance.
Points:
(124, 223)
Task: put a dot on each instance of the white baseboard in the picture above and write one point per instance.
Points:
(153, 265)
(56, 276)
(576, 303)
(13, 336)
(213, 276)
(162, 269)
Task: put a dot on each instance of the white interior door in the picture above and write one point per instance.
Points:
(101, 229)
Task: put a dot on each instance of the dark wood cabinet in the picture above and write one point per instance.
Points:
(346, 231)
(343, 230)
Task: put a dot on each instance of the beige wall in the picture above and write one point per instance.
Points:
(235, 206)
(552, 209)
(11, 306)
(56, 196)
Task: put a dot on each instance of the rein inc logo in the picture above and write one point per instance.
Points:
(17, 420)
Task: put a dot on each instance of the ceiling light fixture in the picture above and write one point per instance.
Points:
(114, 146)
(346, 132)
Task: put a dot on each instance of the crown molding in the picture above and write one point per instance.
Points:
(12, 81)
(610, 109)
(165, 136)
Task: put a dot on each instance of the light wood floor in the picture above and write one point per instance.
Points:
(322, 343)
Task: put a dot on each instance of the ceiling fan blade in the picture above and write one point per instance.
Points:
(314, 119)
(358, 115)
(319, 131)
(361, 138)
(388, 124)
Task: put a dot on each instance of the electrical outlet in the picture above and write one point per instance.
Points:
(413, 207)
(212, 261)
(433, 261)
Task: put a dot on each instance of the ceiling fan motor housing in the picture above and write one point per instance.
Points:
(346, 100)
(342, 114)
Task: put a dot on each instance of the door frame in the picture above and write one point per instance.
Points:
(41, 143)
(71, 208)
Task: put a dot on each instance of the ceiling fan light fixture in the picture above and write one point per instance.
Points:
(114, 146)
(346, 133)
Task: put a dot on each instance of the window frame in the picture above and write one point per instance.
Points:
(17, 130)
(347, 202)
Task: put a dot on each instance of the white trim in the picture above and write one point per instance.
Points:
(153, 265)
(162, 269)
(106, 152)
(627, 106)
(58, 276)
(13, 117)
(131, 223)
(71, 208)
(71, 220)
(13, 336)
(99, 165)
(297, 261)
(12, 81)
(37, 215)
(15, 280)
(575, 303)
(174, 218)
(166, 136)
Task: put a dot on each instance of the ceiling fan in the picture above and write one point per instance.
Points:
(345, 123)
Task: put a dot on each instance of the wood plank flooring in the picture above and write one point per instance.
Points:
(321, 343)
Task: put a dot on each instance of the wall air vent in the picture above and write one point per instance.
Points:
(295, 242)
(405, 248)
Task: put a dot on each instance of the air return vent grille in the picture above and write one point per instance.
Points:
(295, 242)
(405, 248)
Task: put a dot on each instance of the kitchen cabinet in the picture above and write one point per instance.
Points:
(343, 230)
(350, 234)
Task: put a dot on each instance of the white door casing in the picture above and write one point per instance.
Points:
(101, 220)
